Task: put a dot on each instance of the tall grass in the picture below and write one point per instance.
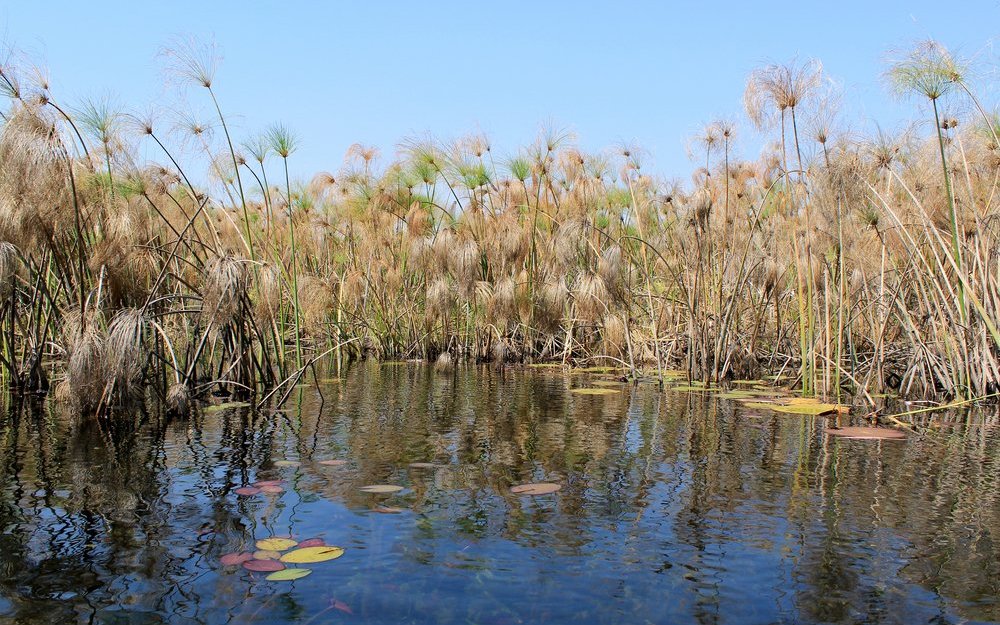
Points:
(868, 266)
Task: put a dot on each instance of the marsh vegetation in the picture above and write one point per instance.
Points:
(858, 263)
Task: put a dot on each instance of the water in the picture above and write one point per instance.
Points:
(675, 508)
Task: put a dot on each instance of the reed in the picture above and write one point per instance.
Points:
(867, 267)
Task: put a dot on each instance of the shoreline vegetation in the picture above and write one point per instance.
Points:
(854, 264)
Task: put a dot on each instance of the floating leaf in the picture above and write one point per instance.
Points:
(276, 544)
(381, 489)
(312, 542)
(537, 488)
(266, 554)
(594, 391)
(287, 463)
(332, 463)
(236, 558)
(213, 408)
(310, 555)
(272, 490)
(597, 370)
(288, 575)
(737, 394)
(268, 483)
(866, 433)
(800, 406)
(607, 383)
(263, 566)
(422, 465)
(387, 510)
(247, 491)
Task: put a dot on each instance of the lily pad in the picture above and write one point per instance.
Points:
(288, 575)
(799, 406)
(276, 544)
(272, 490)
(213, 408)
(236, 558)
(310, 555)
(332, 463)
(268, 483)
(266, 554)
(387, 510)
(608, 383)
(422, 465)
(381, 489)
(263, 566)
(867, 433)
(594, 391)
(247, 491)
(537, 488)
(312, 542)
(287, 463)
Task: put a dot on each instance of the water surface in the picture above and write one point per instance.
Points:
(674, 508)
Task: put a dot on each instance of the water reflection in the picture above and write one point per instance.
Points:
(674, 508)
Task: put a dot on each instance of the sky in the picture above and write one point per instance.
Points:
(378, 72)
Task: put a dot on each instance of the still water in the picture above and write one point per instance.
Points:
(674, 508)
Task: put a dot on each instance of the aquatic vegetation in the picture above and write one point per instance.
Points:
(538, 488)
(866, 433)
(381, 489)
(852, 265)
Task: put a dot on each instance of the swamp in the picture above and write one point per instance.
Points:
(459, 383)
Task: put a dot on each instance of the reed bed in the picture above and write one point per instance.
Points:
(851, 263)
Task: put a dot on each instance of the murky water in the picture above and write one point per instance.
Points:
(675, 508)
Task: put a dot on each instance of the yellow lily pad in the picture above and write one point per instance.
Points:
(276, 544)
(266, 554)
(310, 555)
(800, 406)
(288, 575)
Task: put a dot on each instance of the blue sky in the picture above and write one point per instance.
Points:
(337, 73)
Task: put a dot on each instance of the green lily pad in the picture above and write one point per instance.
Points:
(288, 575)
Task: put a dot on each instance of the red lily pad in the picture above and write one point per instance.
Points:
(312, 542)
(272, 490)
(263, 566)
(236, 558)
(247, 491)
(268, 483)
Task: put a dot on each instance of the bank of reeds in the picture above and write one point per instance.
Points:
(853, 263)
